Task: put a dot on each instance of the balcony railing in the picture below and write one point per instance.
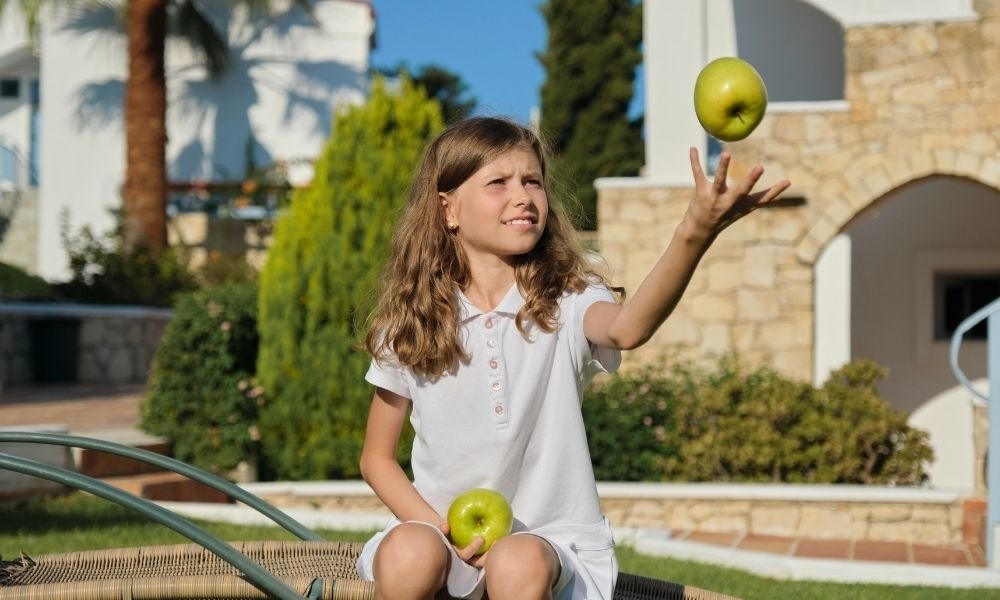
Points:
(246, 200)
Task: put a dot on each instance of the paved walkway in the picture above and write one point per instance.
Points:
(109, 412)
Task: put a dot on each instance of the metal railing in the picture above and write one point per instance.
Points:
(990, 313)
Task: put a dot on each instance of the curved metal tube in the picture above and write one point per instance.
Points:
(956, 341)
(257, 574)
(171, 464)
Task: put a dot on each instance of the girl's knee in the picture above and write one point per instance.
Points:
(414, 552)
(524, 560)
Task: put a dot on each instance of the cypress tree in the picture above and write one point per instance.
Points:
(318, 280)
(590, 60)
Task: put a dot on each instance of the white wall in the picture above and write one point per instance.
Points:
(937, 223)
(679, 38)
(873, 12)
(832, 305)
(948, 417)
(81, 150)
(283, 89)
(13, 35)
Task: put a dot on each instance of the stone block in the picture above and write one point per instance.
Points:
(759, 269)
(824, 522)
(776, 520)
(713, 307)
(757, 306)
(890, 513)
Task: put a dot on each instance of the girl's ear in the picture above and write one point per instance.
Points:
(450, 219)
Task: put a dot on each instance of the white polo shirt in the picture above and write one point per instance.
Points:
(510, 419)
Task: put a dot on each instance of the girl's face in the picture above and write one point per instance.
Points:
(500, 210)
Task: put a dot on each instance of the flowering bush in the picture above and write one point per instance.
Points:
(203, 396)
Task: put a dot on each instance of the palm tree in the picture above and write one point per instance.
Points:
(147, 25)
(144, 192)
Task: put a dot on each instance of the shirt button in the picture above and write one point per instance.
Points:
(488, 324)
(496, 386)
(494, 363)
(498, 410)
(492, 343)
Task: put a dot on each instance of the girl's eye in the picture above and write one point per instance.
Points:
(534, 182)
(497, 182)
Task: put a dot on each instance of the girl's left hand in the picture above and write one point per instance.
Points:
(717, 205)
(468, 554)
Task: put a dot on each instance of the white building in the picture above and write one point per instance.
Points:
(880, 115)
(61, 129)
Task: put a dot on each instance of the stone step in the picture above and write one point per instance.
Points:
(95, 463)
(167, 487)
(138, 477)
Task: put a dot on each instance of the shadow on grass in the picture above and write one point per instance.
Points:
(60, 513)
(80, 521)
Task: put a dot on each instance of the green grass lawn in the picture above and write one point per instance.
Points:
(82, 522)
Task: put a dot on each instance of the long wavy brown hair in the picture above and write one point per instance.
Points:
(417, 314)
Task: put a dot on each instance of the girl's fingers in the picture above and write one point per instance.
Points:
(695, 165)
(469, 552)
(721, 172)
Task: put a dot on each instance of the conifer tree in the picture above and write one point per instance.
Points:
(319, 278)
(590, 60)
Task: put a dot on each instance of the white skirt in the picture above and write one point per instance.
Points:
(588, 565)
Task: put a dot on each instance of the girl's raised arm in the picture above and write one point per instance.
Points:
(715, 206)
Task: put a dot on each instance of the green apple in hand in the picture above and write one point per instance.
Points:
(479, 512)
(729, 98)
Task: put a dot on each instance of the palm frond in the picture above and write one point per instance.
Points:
(193, 25)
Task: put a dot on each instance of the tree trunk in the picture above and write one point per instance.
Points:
(144, 194)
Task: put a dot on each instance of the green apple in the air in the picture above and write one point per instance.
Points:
(479, 512)
(729, 98)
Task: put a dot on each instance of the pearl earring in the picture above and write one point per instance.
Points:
(452, 225)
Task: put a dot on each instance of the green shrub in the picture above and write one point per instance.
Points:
(18, 284)
(202, 395)
(630, 425)
(224, 268)
(101, 272)
(737, 426)
(878, 444)
(730, 424)
(318, 280)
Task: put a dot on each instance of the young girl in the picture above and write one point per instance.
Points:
(490, 323)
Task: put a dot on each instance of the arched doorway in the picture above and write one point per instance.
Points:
(892, 285)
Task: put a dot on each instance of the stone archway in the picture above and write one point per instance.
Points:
(870, 178)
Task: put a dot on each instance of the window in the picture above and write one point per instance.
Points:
(957, 295)
(10, 88)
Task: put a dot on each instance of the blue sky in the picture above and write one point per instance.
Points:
(490, 44)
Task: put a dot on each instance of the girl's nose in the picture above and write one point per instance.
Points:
(521, 195)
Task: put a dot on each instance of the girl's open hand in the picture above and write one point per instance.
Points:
(717, 205)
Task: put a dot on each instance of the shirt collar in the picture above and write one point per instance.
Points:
(510, 304)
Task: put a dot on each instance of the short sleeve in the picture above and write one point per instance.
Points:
(601, 359)
(388, 374)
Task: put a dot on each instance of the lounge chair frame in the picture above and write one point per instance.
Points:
(210, 568)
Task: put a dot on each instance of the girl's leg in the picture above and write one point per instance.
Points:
(411, 563)
(521, 567)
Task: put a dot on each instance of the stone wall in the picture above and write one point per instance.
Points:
(203, 236)
(105, 344)
(871, 513)
(920, 100)
(734, 302)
